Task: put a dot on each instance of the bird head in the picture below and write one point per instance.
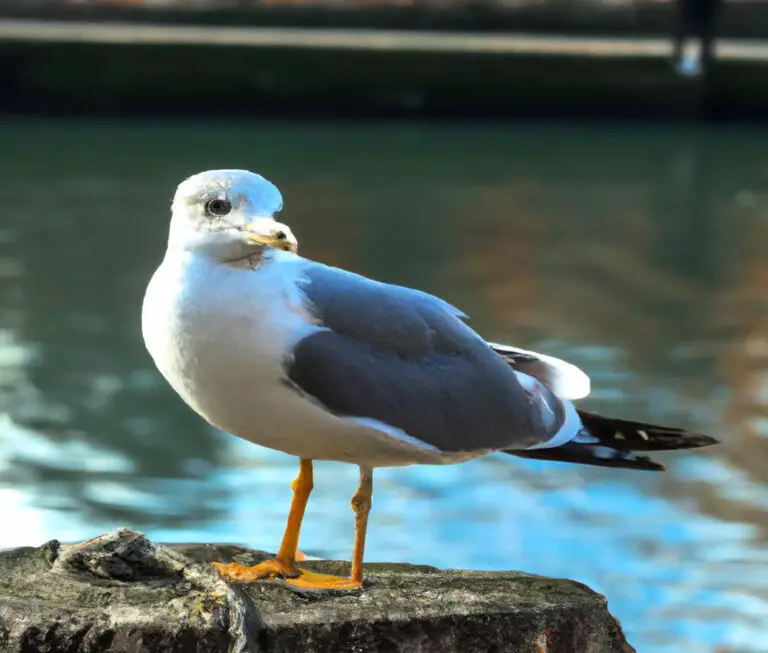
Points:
(228, 215)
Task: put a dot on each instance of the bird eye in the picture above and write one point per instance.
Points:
(280, 235)
(217, 207)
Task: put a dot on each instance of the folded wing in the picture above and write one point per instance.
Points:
(408, 360)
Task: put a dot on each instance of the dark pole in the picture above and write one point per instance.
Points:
(695, 19)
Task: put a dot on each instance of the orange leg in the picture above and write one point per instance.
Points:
(284, 563)
(302, 487)
(361, 505)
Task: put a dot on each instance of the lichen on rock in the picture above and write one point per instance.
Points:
(122, 593)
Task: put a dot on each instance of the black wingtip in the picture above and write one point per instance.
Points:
(586, 455)
(630, 435)
(617, 443)
(696, 440)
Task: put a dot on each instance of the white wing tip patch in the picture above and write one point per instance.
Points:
(568, 381)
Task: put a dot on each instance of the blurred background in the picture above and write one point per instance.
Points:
(587, 178)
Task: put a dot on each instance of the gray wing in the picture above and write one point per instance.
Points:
(407, 359)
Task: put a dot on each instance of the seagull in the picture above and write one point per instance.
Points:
(325, 364)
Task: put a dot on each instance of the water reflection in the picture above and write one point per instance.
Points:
(636, 253)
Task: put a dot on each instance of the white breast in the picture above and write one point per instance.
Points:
(218, 333)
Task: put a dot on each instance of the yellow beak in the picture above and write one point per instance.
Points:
(261, 239)
(278, 237)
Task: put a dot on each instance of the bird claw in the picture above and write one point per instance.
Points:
(248, 574)
(301, 580)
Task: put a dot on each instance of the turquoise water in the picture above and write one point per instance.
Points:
(637, 253)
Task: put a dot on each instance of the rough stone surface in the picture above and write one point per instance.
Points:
(123, 594)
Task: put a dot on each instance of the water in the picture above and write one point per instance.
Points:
(637, 253)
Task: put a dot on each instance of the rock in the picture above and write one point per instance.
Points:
(123, 594)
